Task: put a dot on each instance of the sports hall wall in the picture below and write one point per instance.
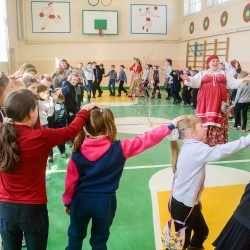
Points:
(42, 49)
(234, 27)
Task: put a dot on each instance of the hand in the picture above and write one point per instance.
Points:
(67, 210)
(247, 78)
(30, 76)
(58, 91)
(69, 78)
(92, 105)
(200, 205)
(185, 77)
(177, 119)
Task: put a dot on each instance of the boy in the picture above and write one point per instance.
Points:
(122, 79)
(89, 73)
(112, 79)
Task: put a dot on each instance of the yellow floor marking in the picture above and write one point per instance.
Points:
(218, 203)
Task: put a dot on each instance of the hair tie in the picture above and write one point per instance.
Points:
(101, 110)
(174, 136)
(8, 120)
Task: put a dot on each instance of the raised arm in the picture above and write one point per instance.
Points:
(233, 83)
(193, 82)
(203, 153)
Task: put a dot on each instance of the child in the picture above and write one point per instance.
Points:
(122, 78)
(31, 84)
(186, 91)
(241, 103)
(89, 73)
(112, 79)
(60, 119)
(189, 164)
(168, 81)
(45, 105)
(195, 91)
(176, 86)
(100, 73)
(145, 78)
(16, 84)
(58, 78)
(94, 172)
(156, 82)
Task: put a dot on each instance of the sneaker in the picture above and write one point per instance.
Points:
(48, 177)
(99, 95)
(23, 242)
(243, 130)
(186, 105)
(50, 159)
(63, 155)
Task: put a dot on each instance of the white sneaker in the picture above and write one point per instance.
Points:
(63, 155)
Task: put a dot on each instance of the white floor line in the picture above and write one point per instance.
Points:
(159, 166)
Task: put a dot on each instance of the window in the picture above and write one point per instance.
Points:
(4, 43)
(191, 6)
(210, 3)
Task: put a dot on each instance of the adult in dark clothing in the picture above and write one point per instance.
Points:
(236, 233)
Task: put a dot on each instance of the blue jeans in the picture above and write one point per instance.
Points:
(89, 87)
(111, 86)
(101, 209)
(28, 218)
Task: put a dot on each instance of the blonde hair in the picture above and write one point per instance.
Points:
(189, 122)
(100, 122)
(241, 75)
(16, 85)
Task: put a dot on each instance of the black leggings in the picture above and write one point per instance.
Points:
(237, 111)
(16, 219)
(195, 223)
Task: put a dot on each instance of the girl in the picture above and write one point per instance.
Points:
(192, 158)
(45, 105)
(167, 84)
(145, 78)
(241, 103)
(25, 69)
(24, 153)
(176, 86)
(93, 175)
(31, 84)
(5, 89)
(156, 82)
(16, 84)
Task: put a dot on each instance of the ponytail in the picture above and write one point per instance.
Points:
(9, 152)
(78, 141)
(175, 148)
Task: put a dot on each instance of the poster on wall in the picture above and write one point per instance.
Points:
(50, 17)
(148, 19)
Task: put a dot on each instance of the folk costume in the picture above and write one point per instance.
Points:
(136, 70)
(213, 91)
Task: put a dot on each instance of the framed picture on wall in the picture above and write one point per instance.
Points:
(148, 19)
(50, 17)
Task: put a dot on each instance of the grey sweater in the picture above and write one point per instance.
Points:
(243, 94)
(191, 166)
(112, 75)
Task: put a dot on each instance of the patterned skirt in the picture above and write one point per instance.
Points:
(234, 236)
(216, 135)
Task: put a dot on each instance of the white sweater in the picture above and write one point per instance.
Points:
(46, 109)
(89, 73)
(191, 166)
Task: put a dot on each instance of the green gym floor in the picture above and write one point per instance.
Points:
(146, 181)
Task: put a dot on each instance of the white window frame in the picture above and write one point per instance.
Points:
(4, 41)
(211, 3)
(191, 7)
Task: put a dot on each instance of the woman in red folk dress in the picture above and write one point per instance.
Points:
(136, 70)
(214, 85)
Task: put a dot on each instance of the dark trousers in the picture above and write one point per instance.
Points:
(156, 90)
(89, 87)
(144, 87)
(194, 97)
(238, 108)
(16, 219)
(99, 87)
(176, 96)
(61, 124)
(101, 210)
(169, 91)
(94, 88)
(195, 223)
(111, 86)
(186, 94)
(121, 88)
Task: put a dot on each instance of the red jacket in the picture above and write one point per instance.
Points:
(27, 184)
